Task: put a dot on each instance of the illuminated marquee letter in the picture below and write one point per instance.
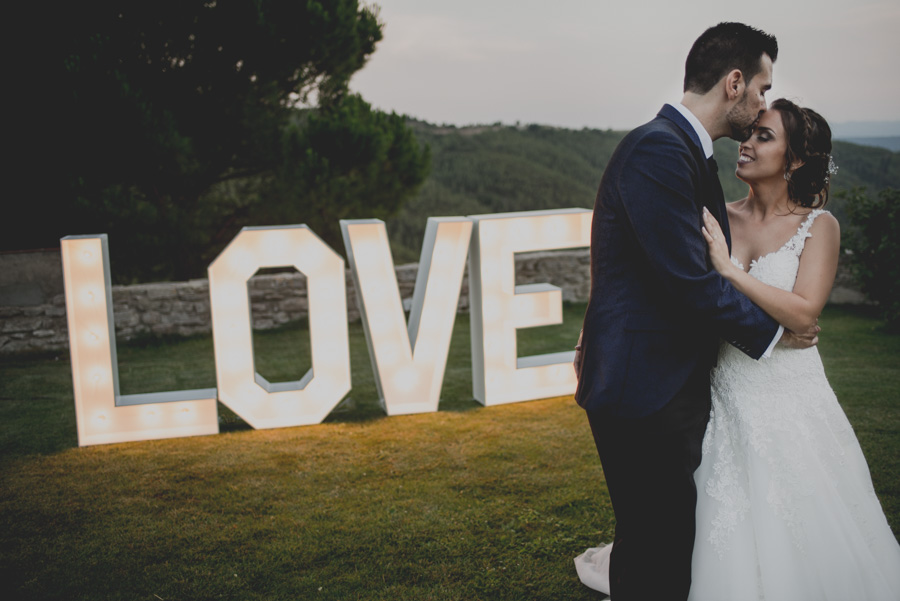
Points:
(408, 361)
(498, 307)
(261, 403)
(102, 414)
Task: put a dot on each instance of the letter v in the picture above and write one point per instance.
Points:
(408, 365)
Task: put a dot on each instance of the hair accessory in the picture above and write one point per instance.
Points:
(832, 168)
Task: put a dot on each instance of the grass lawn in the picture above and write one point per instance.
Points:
(466, 503)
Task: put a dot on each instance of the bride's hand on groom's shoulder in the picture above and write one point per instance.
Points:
(802, 340)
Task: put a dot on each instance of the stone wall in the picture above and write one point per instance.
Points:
(182, 308)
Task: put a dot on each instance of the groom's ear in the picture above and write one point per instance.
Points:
(734, 84)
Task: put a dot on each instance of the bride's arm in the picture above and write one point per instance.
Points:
(797, 310)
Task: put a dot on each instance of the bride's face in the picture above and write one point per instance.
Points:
(762, 155)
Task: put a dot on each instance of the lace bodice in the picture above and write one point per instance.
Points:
(779, 268)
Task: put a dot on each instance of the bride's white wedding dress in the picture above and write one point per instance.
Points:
(785, 508)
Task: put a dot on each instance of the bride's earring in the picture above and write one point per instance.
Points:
(787, 176)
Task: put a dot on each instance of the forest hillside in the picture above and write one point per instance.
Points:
(502, 168)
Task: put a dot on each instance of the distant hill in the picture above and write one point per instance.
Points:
(892, 143)
(883, 134)
(499, 168)
(864, 129)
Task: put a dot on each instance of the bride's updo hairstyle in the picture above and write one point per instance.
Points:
(809, 141)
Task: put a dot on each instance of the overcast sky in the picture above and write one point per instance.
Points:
(612, 64)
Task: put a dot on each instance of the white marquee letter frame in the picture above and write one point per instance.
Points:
(103, 415)
(276, 405)
(498, 307)
(408, 360)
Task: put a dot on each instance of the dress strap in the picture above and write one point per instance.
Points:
(796, 243)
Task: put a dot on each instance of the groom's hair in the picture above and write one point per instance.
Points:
(723, 48)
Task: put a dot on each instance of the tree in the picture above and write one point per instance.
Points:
(173, 123)
(874, 240)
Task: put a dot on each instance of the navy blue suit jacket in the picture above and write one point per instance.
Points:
(657, 310)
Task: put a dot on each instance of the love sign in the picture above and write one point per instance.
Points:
(408, 356)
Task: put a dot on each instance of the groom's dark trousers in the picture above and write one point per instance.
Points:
(656, 315)
(653, 492)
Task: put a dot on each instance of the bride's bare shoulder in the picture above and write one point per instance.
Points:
(826, 226)
(827, 220)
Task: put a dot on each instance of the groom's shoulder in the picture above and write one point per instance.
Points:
(659, 135)
(663, 126)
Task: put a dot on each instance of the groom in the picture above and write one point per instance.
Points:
(657, 311)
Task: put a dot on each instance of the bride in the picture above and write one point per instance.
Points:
(785, 509)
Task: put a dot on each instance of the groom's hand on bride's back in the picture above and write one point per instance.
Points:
(801, 340)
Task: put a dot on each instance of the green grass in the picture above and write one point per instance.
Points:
(466, 503)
